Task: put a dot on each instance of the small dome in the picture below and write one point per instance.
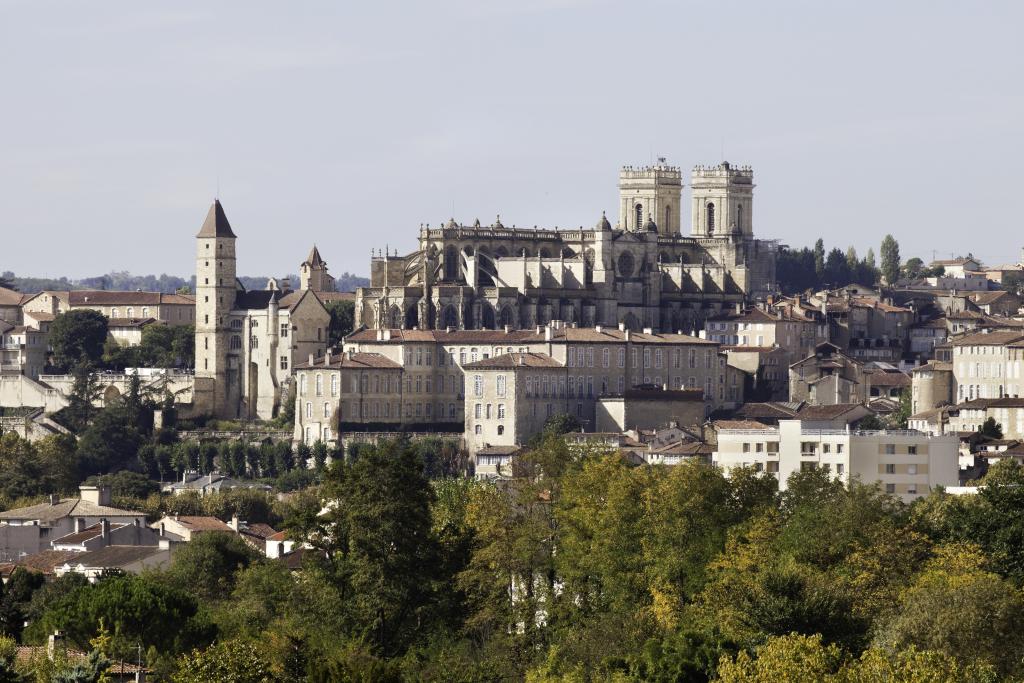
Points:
(603, 224)
(497, 223)
(650, 226)
(451, 223)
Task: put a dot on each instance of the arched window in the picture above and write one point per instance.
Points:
(739, 216)
(253, 342)
(113, 313)
(501, 429)
(334, 385)
(711, 218)
(477, 429)
(236, 342)
(302, 385)
(638, 213)
(131, 313)
(327, 410)
(319, 385)
(668, 216)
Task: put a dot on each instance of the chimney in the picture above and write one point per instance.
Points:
(538, 329)
(234, 523)
(599, 329)
(351, 354)
(622, 327)
(312, 359)
(386, 334)
(97, 495)
(79, 525)
(522, 359)
(648, 330)
(105, 531)
(163, 529)
(626, 331)
(164, 544)
(508, 328)
(327, 357)
(54, 499)
(449, 329)
(739, 309)
(547, 333)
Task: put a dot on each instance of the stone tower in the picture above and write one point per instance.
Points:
(653, 191)
(217, 369)
(313, 273)
(723, 200)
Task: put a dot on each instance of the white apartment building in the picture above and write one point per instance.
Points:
(988, 365)
(907, 464)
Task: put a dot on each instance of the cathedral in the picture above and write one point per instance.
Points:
(642, 273)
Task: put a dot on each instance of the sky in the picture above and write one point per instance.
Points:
(349, 124)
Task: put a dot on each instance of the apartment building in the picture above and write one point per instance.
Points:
(988, 364)
(23, 350)
(354, 391)
(906, 464)
(511, 396)
(598, 361)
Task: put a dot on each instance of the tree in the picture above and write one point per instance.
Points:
(890, 253)
(991, 429)
(837, 269)
(377, 532)
(85, 392)
(869, 258)
(78, 335)
(819, 258)
(851, 259)
(561, 423)
(958, 607)
(231, 661)
(913, 268)
(342, 320)
(137, 610)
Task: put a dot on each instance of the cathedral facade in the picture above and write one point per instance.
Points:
(643, 273)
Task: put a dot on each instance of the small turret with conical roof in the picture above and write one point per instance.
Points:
(313, 273)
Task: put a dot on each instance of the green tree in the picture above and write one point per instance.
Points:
(819, 258)
(991, 429)
(85, 392)
(958, 607)
(78, 335)
(231, 661)
(342, 320)
(890, 254)
(851, 259)
(137, 609)
(377, 532)
(207, 566)
(869, 259)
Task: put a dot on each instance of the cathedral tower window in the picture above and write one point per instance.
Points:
(668, 216)
(638, 213)
(711, 218)
(739, 216)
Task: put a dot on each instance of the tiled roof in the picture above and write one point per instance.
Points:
(659, 394)
(997, 338)
(356, 360)
(514, 360)
(328, 297)
(88, 533)
(568, 334)
(739, 424)
(10, 297)
(934, 366)
(890, 379)
(756, 315)
(113, 556)
(44, 561)
(499, 450)
(130, 322)
(256, 299)
(827, 412)
(202, 523)
(47, 512)
(773, 411)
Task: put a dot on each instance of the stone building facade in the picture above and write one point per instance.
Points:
(643, 273)
(247, 342)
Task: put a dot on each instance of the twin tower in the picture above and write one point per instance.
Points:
(723, 199)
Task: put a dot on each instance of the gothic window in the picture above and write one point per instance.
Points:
(626, 264)
(711, 218)
(253, 342)
(451, 263)
(236, 324)
(739, 216)
(236, 342)
(638, 213)
(319, 385)
(449, 318)
(668, 216)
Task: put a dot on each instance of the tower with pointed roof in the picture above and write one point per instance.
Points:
(313, 273)
(217, 373)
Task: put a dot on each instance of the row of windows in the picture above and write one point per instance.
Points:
(481, 411)
(129, 312)
(383, 409)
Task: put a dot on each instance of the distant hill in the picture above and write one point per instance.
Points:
(125, 281)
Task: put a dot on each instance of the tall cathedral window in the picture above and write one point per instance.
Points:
(739, 216)
(638, 211)
(668, 216)
(711, 218)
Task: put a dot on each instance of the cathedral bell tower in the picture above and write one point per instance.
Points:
(216, 367)
(723, 200)
(650, 192)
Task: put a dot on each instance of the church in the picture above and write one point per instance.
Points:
(642, 273)
(249, 341)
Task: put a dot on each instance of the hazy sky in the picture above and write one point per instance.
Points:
(348, 124)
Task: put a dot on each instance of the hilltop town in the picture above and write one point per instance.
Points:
(491, 365)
